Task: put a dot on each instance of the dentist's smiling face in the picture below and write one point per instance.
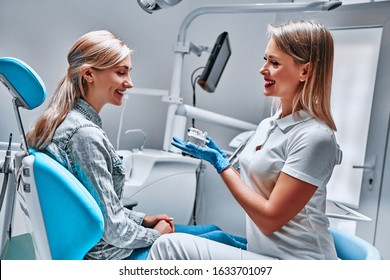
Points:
(282, 75)
(108, 86)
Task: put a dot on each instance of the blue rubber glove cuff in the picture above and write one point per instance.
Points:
(221, 164)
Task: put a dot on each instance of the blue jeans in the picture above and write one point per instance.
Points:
(211, 232)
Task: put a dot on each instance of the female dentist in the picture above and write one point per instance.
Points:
(286, 165)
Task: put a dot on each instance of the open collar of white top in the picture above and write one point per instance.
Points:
(291, 120)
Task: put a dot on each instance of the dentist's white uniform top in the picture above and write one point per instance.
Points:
(304, 148)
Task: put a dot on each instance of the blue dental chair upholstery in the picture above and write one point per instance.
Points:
(64, 218)
(351, 247)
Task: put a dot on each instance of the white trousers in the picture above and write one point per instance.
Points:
(181, 246)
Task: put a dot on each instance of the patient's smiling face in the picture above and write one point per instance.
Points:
(108, 86)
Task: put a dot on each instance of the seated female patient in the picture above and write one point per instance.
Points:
(70, 130)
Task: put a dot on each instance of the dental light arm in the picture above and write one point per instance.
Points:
(211, 117)
(256, 8)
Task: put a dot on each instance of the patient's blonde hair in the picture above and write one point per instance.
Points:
(308, 41)
(98, 49)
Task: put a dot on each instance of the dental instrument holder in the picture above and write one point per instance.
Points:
(174, 125)
(6, 169)
(16, 104)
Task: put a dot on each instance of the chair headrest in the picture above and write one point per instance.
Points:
(23, 82)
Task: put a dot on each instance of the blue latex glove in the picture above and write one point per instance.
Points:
(207, 153)
(212, 145)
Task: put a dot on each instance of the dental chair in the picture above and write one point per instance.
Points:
(65, 220)
(351, 247)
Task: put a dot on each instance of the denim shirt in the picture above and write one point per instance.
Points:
(81, 145)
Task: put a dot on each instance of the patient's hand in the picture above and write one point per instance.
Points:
(154, 221)
(164, 227)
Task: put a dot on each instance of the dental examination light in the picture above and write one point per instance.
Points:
(150, 6)
(176, 123)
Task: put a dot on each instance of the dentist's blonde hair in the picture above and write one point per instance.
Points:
(308, 41)
(98, 49)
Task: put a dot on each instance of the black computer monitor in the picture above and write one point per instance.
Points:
(216, 63)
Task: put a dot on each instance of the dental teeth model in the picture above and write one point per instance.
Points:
(197, 137)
